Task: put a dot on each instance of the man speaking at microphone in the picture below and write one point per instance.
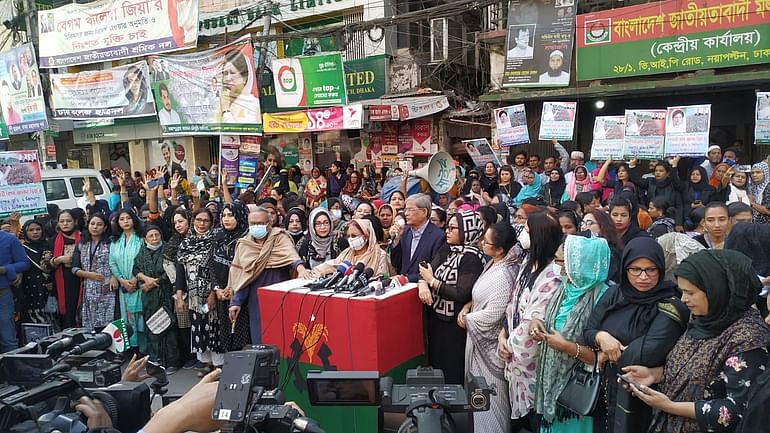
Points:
(418, 241)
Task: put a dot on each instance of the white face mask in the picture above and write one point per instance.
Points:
(357, 243)
(556, 269)
(336, 213)
(524, 239)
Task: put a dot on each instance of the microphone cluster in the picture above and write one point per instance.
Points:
(358, 280)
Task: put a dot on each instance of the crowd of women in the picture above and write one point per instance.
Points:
(541, 272)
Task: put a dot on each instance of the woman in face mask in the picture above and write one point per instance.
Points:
(363, 249)
(157, 302)
(321, 243)
(296, 224)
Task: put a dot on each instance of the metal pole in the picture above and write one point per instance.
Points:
(263, 46)
(30, 19)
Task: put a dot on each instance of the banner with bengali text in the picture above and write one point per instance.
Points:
(672, 36)
(644, 135)
(762, 118)
(315, 119)
(309, 81)
(687, 130)
(109, 93)
(557, 121)
(21, 189)
(105, 30)
(608, 138)
(481, 152)
(511, 125)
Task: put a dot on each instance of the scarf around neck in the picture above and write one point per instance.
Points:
(320, 246)
(253, 256)
(471, 227)
(757, 190)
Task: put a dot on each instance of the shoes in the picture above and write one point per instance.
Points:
(201, 366)
(190, 364)
(171, 370)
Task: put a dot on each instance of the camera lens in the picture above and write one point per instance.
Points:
(478, 400)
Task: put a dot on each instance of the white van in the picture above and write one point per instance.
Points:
(64, 187)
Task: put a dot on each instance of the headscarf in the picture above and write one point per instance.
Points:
(587, 264)
(557, 188)
(350, 187)
(252, 257)
(320, 246)
(39, 245)
(194, 254)
(470, 229)
(283, 183)
(528, 191)
(303, 222)
(730, 284)
(371, 257)
(585, 183)
(645, 248)
(757, 190)
(677, 247)
(715, 180)
(224, 240)
(753, 240)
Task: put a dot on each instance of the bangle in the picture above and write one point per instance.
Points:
(577, 355)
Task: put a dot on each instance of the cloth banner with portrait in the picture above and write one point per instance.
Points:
(108, 93)
(557, 121)
(208, 93)
(538, 48)
(687, 130)
(644, 134)
(608, 138)
(511, 125)
(762, 118)
(21, 95)
(21, 187)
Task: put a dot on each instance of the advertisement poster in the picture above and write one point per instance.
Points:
(105, 30)
(687, 130)
(557, 121)
(608, 138)
(306, 153)
(315, 119)
(481, 152)
(21, 95)
(109, 93)
(511, 125)
(414, 137)
(314, 81)
(538, 48)
(228, 157)
(171, 152)
(248, 168)
(672, 36)
(21, 188)
(210, 92)
(644, 134)
(762, 119)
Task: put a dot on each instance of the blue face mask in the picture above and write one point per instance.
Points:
(258, 231)
(730, 162)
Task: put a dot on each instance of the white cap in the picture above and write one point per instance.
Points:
(556, 53)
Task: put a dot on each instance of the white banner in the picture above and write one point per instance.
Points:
(687, 130)
(557, 121)
(608, 138)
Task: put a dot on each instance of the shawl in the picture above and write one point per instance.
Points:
(37, 246)
(586, 264)
(756, 190)
(351, 188)
(372, 257)
(715, 180)
(677, 247)
(122, 254)
(574, 182)
(194, 255)
(252, 256)
(730, 284)
(149, 262)
(471, 228)
(224, 241)
(58, 273)
(528, 191)
(320, 248)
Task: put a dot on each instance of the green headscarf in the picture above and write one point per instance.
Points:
(730, 284)
(587, 263)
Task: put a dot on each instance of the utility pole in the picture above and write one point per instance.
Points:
(263, 46)
(30, 19)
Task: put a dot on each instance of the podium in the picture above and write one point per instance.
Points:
(336, 331)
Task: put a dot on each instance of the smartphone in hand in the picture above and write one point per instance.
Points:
(629, 382)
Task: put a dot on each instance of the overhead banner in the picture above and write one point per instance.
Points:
(109, 93)
(608, 138)
(21, 187)
(557, 121)
(538, 49)
(313, 81)
(511, 125)
(644, 134)
(481, 152)
(672, 36)
(318, 119)
(762, 118)
(105, 30)
(210, 92)
(21, 95)
(687, 130)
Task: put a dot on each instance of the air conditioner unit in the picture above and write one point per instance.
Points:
(446, 40)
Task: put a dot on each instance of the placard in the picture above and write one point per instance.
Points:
(248, 168)
(762, 118)
(557, 121)
(414, 137)
(21, 95)
(481, 152)
(687, 130)
(511, 125)
(21, 187)
(644, 134)
(171, 152)
(229, 146)
(313, 81)
(608, 138)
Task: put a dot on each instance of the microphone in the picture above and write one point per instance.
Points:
(352, 277)
(114, 337)
(59, 345)
(306, 425)
(392, 237)
(342, 268)
(362, 279)
(100, 341)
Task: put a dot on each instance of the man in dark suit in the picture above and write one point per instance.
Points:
(418, 241)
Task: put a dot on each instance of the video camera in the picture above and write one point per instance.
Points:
(425, 398)
(42, 381)
(248, 397)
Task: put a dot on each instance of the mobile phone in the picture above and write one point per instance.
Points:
(628, 382)
(156, 370)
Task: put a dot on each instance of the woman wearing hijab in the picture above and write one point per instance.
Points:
(753, 240)
(363, 249)
(719, 173)
(284, 184)
(123, 250)
(36, 282)
(580, 182)
(67, 285)
(710, 372)
(733, 187)
(91, 263)
(449, 287)
(296, 224)
(555, 191)
(181, 221)
(315, 189)
(531, 188)
(636, 322)
(586, 261)
(759, 193)
(697, 191)
(321, 243)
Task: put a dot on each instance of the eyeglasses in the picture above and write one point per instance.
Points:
(588, 223)
(451, 228)
(635, 272)
(321, 223)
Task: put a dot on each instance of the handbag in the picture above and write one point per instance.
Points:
(582, 390)
(160, 321)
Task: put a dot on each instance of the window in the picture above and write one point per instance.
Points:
(77, 186)
(55, 189)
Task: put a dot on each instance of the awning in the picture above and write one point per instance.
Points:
(412, 107)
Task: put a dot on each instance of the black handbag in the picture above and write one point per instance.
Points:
(582, 390)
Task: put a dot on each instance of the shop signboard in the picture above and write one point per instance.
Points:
(208, 93)
(104, 30)
(481, 152)
(762, 118)
(538, 49)
(108, 93)
(511, 125)
(672, 36)
(365, 78)
(557, 122)
(22, 188)
(315, 119)
(644, 134)
(687, 130)
(312, 81)
(608, 138)
(383, 113)
(21, 95)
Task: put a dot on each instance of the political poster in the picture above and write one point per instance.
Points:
(21, 95)
(557, 121)
(306, 153)
(538, 49)
(105, 30)
(608, 138)
(481, 152)
(312, 81)
(21, 187)
(762, 118)
(208, 93)
(511, 125)
(171, 152)
(687, 130)
(108, 93)
(644, 134)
